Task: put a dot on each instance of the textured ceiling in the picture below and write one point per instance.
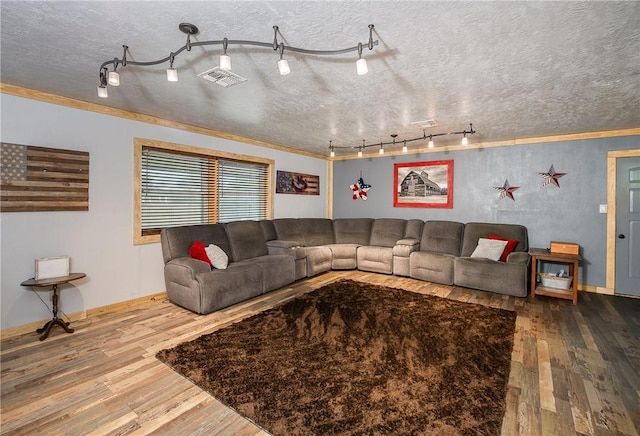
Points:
(514, 69)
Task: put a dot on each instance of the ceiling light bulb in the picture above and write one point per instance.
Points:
(381, 150)
(361, 67)
(172, 75)
(465, 141)
(225, 62)
(332, 154)
(404, 149)
(430, 143)
(102, 92)
(283, 66)
(114, 78)
(359, 153)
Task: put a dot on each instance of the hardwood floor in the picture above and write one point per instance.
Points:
(575, 369)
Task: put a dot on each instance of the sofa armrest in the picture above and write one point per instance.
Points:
(183, 270)
(404, 247)
(519, 257)
(279, 243)
(291, 248)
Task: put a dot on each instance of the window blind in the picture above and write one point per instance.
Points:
(183, 189)
(241, 191)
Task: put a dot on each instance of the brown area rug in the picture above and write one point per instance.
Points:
(355, 358)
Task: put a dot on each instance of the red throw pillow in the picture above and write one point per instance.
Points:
(511, 245)
(197, 252)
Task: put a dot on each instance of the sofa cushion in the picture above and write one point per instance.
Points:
(443, 237)
(278, 270)
(488, 275)
(508, 249)
(318, 260)
(268, 230)
(288, 229)
(199, 251)
(475, 231)
(489, 249)
(352, 230)
(176, 241)
(217, 257)
(385, 232)
(375, 259)
(432, 267)
(317, 231)
(246, 239)
(343, 256)
(413, 229)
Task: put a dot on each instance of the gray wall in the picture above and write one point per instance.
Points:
(568, 213)
(100, 241)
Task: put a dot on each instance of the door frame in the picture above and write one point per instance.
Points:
(612, 161)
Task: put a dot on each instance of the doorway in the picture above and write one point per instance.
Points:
(623, 222)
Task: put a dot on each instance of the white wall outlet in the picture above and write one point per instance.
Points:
(603, 208)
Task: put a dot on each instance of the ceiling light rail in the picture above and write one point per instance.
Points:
(107, 77)
(402, 142)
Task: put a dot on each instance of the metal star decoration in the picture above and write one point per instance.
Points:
(551, 177)
(506, 190)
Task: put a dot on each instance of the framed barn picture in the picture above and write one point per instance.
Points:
(423, 184)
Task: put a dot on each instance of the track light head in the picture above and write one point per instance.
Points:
(114, 78)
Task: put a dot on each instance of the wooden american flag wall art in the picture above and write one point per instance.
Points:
(36, 179)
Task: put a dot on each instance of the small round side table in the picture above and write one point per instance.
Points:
(53, 283)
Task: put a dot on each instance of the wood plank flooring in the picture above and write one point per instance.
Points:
(574, 370)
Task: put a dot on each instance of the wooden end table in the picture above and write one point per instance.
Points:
(53, 283)
(572, 260)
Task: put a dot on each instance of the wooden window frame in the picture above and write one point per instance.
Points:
(139, 143)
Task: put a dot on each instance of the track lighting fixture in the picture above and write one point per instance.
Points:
(113, 78)
(172, 73)
(225, 59)
(424, 136)
(102, 87)
(283, 65)
(333, 153)
(361, 64)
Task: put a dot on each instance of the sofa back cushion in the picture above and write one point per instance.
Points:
(352, 230)
(288, 229)
(413, 230)
(474, 231)
(443, 237)
(246, 240)
(385, 232)
(176, 241)
(317, 231)
(268, 230)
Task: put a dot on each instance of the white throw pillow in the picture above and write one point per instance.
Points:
(489, 248)
(217, 256)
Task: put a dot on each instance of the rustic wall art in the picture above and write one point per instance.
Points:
(297, 183)
(423, 184)
(36, 179)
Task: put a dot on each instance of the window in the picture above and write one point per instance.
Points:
(180, 185)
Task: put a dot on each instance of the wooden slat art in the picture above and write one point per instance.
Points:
(36, 179)
(297, 183)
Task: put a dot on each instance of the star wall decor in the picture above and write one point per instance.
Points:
(360, 189)
(551, 177)
(506, 190)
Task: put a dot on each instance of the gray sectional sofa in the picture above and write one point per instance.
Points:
(269, 254)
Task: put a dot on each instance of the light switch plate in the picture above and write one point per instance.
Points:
(603, 208)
